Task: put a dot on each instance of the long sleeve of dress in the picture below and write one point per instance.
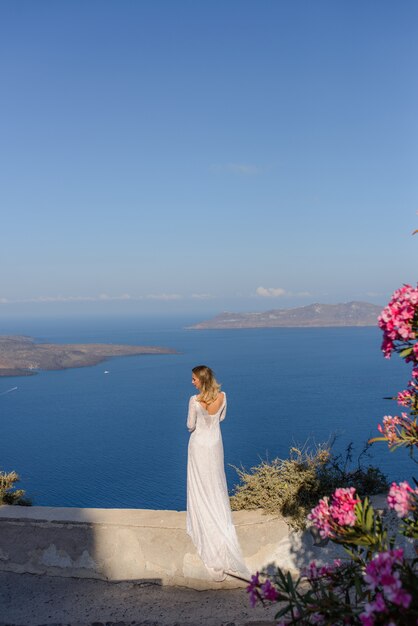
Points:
(191, 417)
(223, 412)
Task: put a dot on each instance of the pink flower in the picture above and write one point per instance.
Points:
(382, 576)
(320, 516)
(326, 517)
(397, 319)
(269, 591)
(387, 347)
(315, 571)
(388, 429)
(399, 498)
(370, 608)
(402, 598)
(252, 589)
(379, 605)
(343, 506)
(405, 397)
(366, 620)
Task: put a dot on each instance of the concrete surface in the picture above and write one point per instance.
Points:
(34, 600)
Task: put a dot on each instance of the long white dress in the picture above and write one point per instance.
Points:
(209, 520)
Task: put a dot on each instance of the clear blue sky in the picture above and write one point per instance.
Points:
(200, 156)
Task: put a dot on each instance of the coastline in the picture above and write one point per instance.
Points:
(22, 356)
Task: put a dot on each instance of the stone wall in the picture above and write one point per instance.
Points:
(139, 545)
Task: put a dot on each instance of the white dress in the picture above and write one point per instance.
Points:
(209, 520)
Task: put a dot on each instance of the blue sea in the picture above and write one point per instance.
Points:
(80, 437)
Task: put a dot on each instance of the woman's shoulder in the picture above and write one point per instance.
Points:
(195, 397)
(221, 400)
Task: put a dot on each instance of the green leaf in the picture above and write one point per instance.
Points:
(369, 518)
(374, 439)
(405, 352)
(282, 612)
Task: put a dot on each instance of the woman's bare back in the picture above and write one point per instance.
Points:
(213, 407)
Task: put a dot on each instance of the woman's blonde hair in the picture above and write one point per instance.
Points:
(210, 386)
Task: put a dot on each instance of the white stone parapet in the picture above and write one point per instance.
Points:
(140, 545)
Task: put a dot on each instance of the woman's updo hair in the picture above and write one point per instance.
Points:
(210, 386)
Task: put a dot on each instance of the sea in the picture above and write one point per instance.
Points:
(114, 435)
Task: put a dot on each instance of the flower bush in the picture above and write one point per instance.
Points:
(399, 323)
(377, 583)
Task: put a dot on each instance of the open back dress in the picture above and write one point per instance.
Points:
(209, 519)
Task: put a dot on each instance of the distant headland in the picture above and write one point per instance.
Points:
(311, 316)
(21, 356)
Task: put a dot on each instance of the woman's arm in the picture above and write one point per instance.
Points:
(191, 417)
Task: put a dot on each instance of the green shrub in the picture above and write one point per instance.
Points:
(8, 493)
(293, 486)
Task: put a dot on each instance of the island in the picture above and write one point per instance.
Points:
(22, 356)
(313, 315)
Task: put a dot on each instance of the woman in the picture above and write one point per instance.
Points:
(209, 520)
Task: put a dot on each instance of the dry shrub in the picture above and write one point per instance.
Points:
(293, 486)
(8, 493)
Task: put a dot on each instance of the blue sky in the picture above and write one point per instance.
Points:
(200, 156)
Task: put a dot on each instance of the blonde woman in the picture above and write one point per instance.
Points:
(209, 520)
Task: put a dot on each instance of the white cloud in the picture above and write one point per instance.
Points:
(102, 297)
(270, 292)
(60, 298)
(163, 296)
(105, 296)
(202, 296)
(279, 292)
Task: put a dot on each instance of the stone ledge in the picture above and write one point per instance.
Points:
(139, 545)
(120, 517)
